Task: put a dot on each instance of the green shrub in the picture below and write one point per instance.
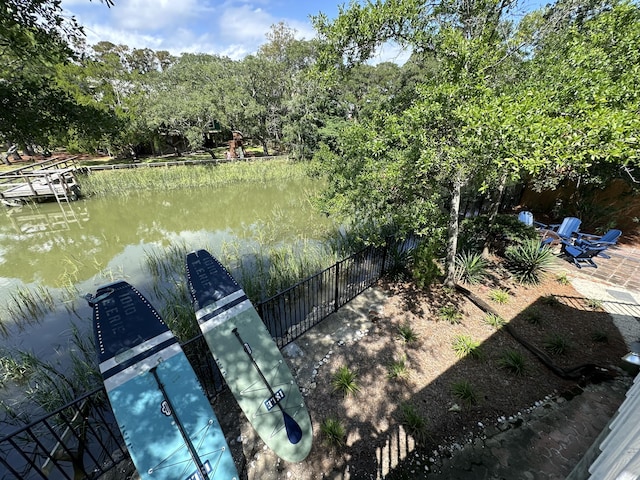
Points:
(505, 231)
(465, 346)
(333, 432)
(415, 423)
(529, 261)
(465, 391)
(425, 269)
(556, 344)
(344, 380)
(562, 278)
(470, 267)
(450, 313)
(499, 296)
(514, 361)
(496, 321)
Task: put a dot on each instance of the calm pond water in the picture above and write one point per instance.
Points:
(97, 240)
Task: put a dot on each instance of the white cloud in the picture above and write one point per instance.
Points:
(233, 28)
(155, 15)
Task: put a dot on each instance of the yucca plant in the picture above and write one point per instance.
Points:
(465, 346)
(344, 380)
(529, 261)
(333, 432)
(470, 267)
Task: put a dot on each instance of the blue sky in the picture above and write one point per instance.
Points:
(233, 28)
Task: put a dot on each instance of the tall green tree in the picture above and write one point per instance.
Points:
(35, 36)
(189, 97)
(268, 81)
(424, 153)
(583, 81)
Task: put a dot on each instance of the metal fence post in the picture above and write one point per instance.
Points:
(336, 297)
(384, 258)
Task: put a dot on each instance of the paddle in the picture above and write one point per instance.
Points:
(294, 432)
(185, 436)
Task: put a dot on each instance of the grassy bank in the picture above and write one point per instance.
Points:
(129, 181)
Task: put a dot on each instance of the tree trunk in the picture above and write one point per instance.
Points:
(493, 212)
(452, 243)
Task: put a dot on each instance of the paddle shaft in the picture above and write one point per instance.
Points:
(185, 436)
(245, 347)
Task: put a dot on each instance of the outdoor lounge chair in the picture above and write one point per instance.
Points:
(582, 254)
(608, 239)
(559, 231)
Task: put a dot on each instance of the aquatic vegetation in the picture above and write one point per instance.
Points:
(127, 182)
(28, 306)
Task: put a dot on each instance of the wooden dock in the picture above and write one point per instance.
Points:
(47, 180)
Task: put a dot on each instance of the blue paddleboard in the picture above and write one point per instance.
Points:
(249, 359)
(167, 422)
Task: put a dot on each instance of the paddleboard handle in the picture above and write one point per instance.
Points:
(192, 451)
(294, 432)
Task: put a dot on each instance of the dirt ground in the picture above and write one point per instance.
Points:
(376, 426)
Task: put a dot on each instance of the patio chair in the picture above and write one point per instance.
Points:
(582, 254)
(608, 239)
(559, 231)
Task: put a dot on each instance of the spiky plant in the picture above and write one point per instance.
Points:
(499, 295)
(496, 321)
(556, 344)
(450, 313)
(415, 423)
(398, 369)
(344, 380)
(529, 261)
(465, 391)
(407, 334)
(514, 361)
(333, 432)
(470, 267)
(465, 346)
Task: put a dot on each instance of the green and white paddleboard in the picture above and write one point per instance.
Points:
(249, 359)
(167, 422)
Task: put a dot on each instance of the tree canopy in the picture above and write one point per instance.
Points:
(484, 100)
(501, 102)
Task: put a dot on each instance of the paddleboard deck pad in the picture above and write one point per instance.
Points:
(167, 422)
(248, 358)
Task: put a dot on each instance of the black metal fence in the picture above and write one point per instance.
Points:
(82, 439)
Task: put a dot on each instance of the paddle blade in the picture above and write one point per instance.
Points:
(294, 432)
